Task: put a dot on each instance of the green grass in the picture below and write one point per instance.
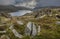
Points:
(49, 28)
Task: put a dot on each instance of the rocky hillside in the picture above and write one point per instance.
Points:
(40, 24)
(11, 8)
(44, 11)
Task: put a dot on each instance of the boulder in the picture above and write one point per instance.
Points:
(15, 32)
(4, 37)
(58, 22)
(39, 29)
(31, 29)
(20, 22)
(2, 31)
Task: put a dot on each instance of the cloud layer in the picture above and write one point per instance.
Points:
(27, 3)
(31, 3)
(7, 2)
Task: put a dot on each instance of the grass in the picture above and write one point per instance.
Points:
(49, 28)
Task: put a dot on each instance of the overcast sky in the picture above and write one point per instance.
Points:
(39, 3)
(7, 2)
(49, 3)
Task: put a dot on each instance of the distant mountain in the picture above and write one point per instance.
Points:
(44, 11)
(36, 8)
(11, 8)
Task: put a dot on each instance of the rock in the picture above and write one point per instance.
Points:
(2, 31)
(42, 16)
(20, 22)
(11, 27)
(34, 30)
(15, 32)
(28, 28)
(58, 22)
(58, 16)
(31, 29)
(39, 29)
(4, 37)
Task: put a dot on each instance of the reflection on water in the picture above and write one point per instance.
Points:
(20, 12)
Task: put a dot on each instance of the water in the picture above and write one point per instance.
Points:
(20, 12)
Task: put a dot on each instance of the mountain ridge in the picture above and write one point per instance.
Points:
(11, 8)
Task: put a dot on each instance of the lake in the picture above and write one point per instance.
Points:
(20, 12)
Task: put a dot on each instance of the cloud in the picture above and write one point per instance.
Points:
(31, 3)
(7, 2)
(27, 3)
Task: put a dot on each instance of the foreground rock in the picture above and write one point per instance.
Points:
(31, 29)
(39, 29)
(20, 22)
(58, 22)
(4, 37)
(15, 32)
(2, 31)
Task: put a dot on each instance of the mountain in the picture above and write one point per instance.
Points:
(44, 11)
(11, 8)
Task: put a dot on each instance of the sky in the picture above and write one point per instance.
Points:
(25, 3)
(49, 3)
(31, 3)
(7, 2)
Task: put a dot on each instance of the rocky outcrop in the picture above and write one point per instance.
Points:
(39, 29)
(4, 37)
(31, 29)
(57, 22)
(20, 22)
(15, 32)
(2, 31)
